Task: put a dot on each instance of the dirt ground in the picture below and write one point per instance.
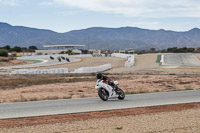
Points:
(131, 84)
(142, 62)
(10, 61)
(183, 118)
(198, 56)
(179, 70)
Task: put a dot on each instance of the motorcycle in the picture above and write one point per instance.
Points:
(106, 91)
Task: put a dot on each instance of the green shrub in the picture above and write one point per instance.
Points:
(3, 52)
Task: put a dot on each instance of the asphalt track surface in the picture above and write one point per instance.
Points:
(185, 59)
(70, 106)
(45, 62)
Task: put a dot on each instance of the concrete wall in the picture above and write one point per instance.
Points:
(93, 69)
(62, 70)
(130, 59)
(40, 71)
(162, 59)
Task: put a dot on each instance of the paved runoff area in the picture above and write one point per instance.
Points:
(185, 59)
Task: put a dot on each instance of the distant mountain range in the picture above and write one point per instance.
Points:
(99, 37)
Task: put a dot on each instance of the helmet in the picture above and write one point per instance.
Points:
(99, 75)
(116, 82)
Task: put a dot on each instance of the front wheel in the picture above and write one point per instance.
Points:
(103, 94)
(121, 94)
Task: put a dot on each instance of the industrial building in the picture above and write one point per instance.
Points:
(57, 49)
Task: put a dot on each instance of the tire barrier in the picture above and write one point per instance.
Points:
(130, 59)
(93, 69)
(97, 55)
(40, 71)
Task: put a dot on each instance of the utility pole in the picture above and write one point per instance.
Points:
(88, 44)
(108, 47)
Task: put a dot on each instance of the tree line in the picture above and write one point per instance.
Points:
(19, 49)
(5, 49)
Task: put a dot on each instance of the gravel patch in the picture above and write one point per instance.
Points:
(183, 118)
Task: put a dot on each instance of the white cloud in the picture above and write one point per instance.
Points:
(135, 8)
(9, 2)
(46, 3)
(68, 13)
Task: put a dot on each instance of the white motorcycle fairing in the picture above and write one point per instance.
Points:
(100, 84)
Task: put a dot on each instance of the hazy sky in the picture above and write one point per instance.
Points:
(66, 15)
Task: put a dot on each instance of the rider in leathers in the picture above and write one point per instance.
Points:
(106, 80)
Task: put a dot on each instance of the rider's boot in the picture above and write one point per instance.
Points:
(117, 90)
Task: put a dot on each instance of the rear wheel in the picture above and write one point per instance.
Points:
(121, 94)
(103, 94)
